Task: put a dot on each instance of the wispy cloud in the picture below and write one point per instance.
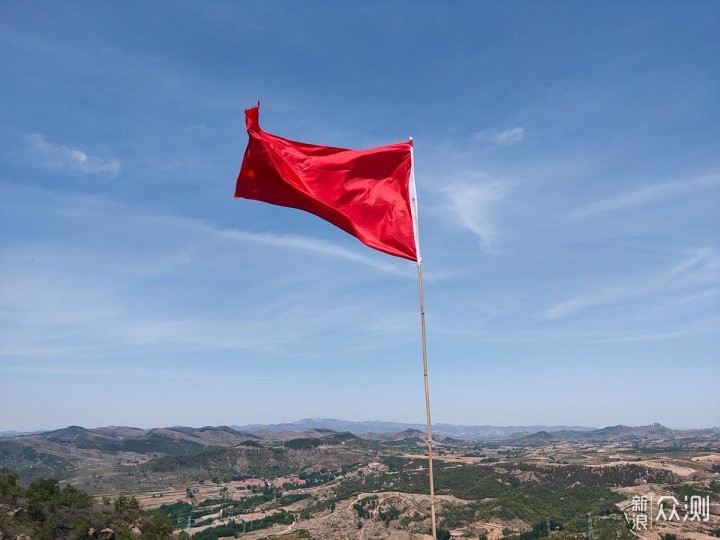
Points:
(700, 268)
(138, 293)
(649, 194)
(507, 136)
(707, 326)
(306, 243)
(472, 206)
(91, 207)
(60, 157)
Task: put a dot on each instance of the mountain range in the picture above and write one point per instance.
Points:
(379, 427)
(289, 430)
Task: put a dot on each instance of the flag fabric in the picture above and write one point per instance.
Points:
(369, 194)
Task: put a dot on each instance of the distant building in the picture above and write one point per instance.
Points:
(248, 483)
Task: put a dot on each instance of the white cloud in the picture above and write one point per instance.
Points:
(649, 194)
(510, 136)
(97, 208)
(306, 243)
(703, 263)
(472, 206)
(507, 136)
(57, 156)
(700, 268)
(708, 326)
(82, 370)
(151, 289)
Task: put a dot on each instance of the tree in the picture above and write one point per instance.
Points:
(9, 488)
(124, 504)
(156, 527)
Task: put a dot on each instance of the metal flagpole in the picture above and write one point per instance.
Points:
(413, 207)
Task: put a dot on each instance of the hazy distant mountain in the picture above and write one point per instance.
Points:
(319, 427)
(531, 435)
(12, 433)
(647, 434)
(381, 427)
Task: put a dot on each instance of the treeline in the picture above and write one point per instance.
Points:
(46, 511)
(270, 498)
(236, 527)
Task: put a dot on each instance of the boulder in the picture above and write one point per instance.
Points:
(135, 530)
(107, 534)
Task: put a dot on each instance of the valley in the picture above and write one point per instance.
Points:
(222, 482)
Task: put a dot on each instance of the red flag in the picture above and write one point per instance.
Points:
(367, 193)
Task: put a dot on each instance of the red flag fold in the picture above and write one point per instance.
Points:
(369, 194)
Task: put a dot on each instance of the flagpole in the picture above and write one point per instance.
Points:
(427, 403)
(414, 211)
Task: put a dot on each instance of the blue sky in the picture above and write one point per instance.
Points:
(568, 170)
